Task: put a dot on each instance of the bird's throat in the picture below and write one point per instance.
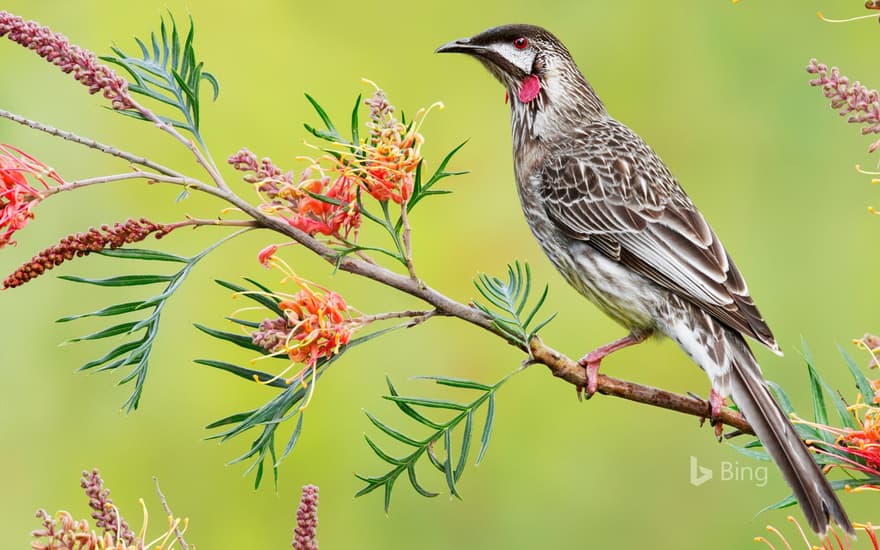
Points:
(529, 89)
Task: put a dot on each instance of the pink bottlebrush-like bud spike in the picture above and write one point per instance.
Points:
(105, 514)
(57, 49)
(852, 99)
(306, 531)
(82, 244)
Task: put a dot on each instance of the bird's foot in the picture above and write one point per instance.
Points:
(713, 411)
(590, 362)
(716, 403)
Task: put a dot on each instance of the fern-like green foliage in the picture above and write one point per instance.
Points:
(455, 434)
(288, 404)
(508, 301)
(168, 72)
(134, 353)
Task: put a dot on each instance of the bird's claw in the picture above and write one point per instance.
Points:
(592, 367)
(713, 412)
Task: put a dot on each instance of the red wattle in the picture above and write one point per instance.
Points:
(529, 89)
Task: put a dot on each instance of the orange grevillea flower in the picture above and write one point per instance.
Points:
(17, 196)
(385, 164)
(319, 203)
(854, 450)
(319, 321)
(325, 198)
(322, 204)
(316, 323)
(865, 443)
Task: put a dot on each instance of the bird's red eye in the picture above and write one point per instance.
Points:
(520, 43)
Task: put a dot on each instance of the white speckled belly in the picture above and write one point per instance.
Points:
(625, 296)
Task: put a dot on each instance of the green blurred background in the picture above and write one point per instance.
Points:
(719, 91)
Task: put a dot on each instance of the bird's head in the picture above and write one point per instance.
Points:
(528, 60)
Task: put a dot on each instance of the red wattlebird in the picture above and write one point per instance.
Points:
(620, 229)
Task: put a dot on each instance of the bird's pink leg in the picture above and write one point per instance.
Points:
(592, 360)
(716, 402)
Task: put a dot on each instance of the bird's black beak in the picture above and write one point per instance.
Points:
(462, 45)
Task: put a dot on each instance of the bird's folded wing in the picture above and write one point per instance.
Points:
(616, 194)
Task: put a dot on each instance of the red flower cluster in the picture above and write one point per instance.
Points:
(17, 196)
(864, 443)
(390, 155)
(325, 206)
(856, 450)
(316, 324)
(315, 205)
(56, 49)
(325, 199)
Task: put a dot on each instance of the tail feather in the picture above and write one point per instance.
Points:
(780, 440)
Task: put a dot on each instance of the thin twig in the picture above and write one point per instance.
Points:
(201, 222)
(177, 532)
(90, 143)
(190, 144)
(137, 174)
(407, 241)
(367, 319)
(183, 181)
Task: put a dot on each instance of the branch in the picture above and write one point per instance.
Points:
(90, 143)
(177, 532)
(188, 143)
(567, 369)
(561, 366)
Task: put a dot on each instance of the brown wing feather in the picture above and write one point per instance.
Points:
(610, 189)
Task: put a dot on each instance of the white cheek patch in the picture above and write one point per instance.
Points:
(523, 59)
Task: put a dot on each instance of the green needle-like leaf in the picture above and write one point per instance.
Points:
(487, 429)
(118, 309)
(248, 374)
(262, 295)
(411, 470)
(394, 434)
(862, 382)
(115, 330)
(121, 280)
(355, 124)
(238, 339)
(447, 464)
(820, 413)
(142, 254)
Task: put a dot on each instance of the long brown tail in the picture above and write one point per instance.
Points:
(780, 440)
